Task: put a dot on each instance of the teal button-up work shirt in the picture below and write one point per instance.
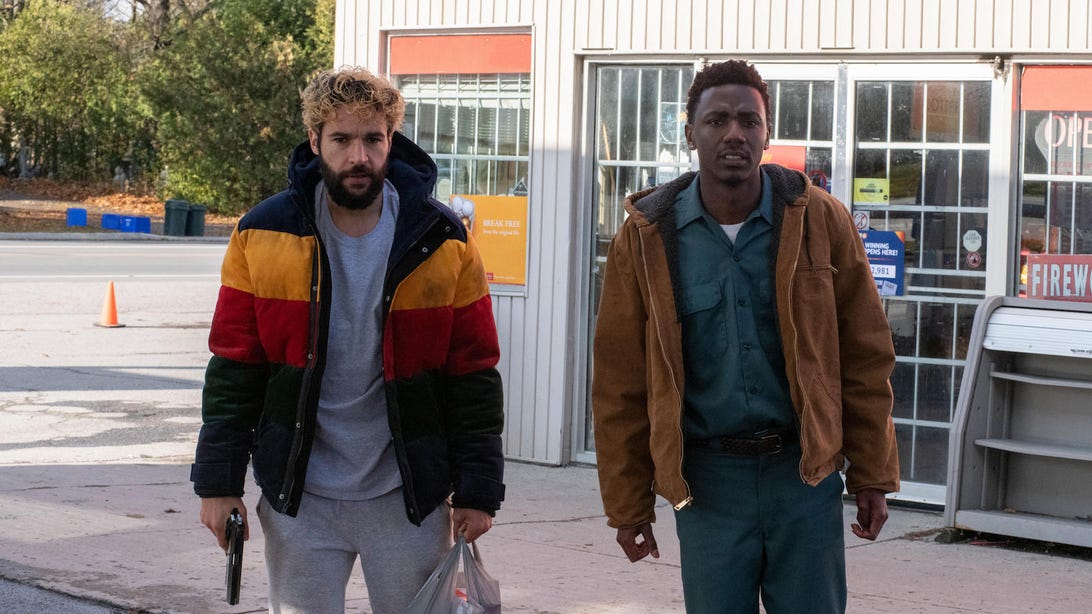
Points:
(735, 367)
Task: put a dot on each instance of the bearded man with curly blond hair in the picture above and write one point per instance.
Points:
(354, 361)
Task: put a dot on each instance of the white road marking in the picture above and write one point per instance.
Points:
(23, 244)
(118, 276)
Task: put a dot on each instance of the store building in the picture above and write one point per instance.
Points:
(963, 125)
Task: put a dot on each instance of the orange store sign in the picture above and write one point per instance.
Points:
(1056, 88)
(1060, 277)
(460, 54)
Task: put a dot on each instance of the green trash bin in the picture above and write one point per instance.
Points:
(175, 217)
(195, 221)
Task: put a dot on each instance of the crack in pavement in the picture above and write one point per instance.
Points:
(556, 521)
(69, 487)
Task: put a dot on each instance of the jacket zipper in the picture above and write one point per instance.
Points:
(796, 347)
(689, 499)
(288, 494)
(391, 282)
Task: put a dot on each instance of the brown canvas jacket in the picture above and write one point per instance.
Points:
(837, 344)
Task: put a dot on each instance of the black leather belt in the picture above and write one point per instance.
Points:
(760, 444)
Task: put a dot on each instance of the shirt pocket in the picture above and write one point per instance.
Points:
(705, 332)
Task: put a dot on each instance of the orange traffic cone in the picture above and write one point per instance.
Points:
(109, 317)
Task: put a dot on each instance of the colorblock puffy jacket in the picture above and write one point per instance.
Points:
(837, 343)
(439, 347)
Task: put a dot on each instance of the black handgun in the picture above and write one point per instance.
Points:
(234, 556)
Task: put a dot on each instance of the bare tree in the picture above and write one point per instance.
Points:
(155, 15)
(10, 8)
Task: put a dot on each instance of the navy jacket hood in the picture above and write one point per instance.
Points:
(410, 170)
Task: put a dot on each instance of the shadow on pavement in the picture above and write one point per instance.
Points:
(85, 378)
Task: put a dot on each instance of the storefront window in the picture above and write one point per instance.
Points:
(802, 136)
(921, 169)
(639, 142)
(1056, 165)
(468, 105)
(476, 128)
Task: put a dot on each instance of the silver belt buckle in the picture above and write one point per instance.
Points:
(778, 443)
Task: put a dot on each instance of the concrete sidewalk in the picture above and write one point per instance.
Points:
(127, 534)
(97, 430)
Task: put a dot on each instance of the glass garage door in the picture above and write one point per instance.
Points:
(921, 168)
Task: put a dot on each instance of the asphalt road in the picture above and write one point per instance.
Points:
(28, 261)
(20, 598)
(75, 395)
(88, 394)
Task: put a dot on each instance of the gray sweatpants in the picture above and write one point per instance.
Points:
(311, 556)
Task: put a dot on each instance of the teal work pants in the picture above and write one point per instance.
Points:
(755, 529)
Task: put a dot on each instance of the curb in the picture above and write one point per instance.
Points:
(103, 236)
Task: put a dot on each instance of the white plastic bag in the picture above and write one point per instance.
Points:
(481, 589)
(437, 595)
(450, 590)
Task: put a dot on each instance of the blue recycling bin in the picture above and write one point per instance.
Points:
(75, 216)
(111, 221)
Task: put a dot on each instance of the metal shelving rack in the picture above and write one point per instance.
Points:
(1020, 459)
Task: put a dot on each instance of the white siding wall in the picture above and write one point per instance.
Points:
(539, 332)
(845, 26)
(534, 330)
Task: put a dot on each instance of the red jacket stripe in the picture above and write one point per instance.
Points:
(474, 343)
(283, 330)
(416, 340)
(455, 340)
(234, 332)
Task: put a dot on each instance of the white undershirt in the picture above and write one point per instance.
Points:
(731, 230)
